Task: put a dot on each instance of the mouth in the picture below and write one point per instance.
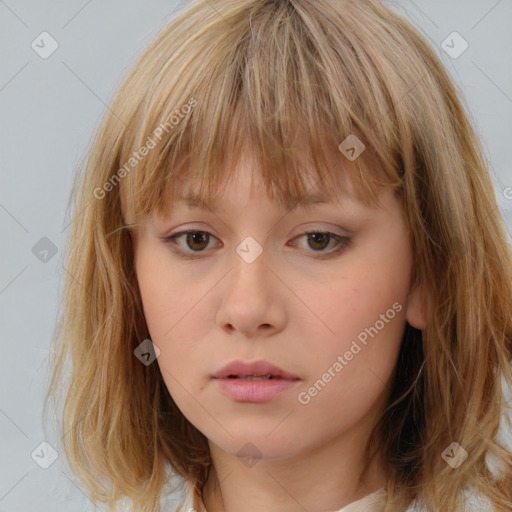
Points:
(254, 382)
(253, 370)
(254, 377)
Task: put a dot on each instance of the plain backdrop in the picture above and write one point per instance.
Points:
(50, 109)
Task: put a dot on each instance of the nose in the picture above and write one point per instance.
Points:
(253, 299)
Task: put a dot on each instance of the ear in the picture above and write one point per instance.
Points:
(417, 308)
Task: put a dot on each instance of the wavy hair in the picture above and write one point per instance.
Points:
(291, 79)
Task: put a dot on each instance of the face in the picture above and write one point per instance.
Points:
(250, 284)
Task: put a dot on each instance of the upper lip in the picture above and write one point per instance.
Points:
(256, 368)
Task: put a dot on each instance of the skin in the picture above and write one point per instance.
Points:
(291, 308)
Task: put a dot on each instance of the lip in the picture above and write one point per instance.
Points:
(254, 391)
(261, 367)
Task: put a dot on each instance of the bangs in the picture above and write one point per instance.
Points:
(313, 120)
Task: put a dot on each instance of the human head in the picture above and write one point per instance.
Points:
(293, 80)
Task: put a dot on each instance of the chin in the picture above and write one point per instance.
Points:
(257, 446)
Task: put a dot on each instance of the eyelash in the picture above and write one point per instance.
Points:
(342, 242)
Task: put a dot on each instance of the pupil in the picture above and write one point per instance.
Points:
(317, 236)
(196, 237)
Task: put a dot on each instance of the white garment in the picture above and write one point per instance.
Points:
(373, 502)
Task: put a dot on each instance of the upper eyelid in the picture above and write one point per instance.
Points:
(310, 226)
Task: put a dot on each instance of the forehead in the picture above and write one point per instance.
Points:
(193, 202)
(227, 184)
(247, 182)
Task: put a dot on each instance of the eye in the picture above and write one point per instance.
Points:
(197, 241)
(319, 240)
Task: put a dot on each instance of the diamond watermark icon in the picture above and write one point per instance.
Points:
(249, 249)
(249, 454)
(147, 352)
(454, 455)
(44, 250)
(352, 147)
(44, 45)
(454, 45)
(44, 455)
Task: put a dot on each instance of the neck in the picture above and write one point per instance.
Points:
(325, 479)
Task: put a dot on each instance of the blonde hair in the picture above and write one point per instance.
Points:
(291, 80)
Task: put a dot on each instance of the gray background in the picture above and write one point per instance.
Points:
(50, 110)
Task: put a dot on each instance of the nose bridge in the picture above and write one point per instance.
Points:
(249, 297)
(253, 265)
(250, 265)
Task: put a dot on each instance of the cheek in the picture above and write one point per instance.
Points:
(367, 286)
(348, 377)
(164, 294)
(364, 310)
(157, 298)
(158, 294)
(172, 308)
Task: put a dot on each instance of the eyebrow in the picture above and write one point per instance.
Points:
(306, 201)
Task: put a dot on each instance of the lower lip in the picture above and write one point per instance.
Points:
(254, 390)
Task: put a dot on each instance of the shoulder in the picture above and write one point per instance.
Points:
(180, 495)
(177, 495)
(473, 503)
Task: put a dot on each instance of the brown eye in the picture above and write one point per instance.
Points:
(196, 240)
(319, 240)
(195, 243)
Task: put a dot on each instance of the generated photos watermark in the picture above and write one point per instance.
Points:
(304, 397)
(137, 156)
